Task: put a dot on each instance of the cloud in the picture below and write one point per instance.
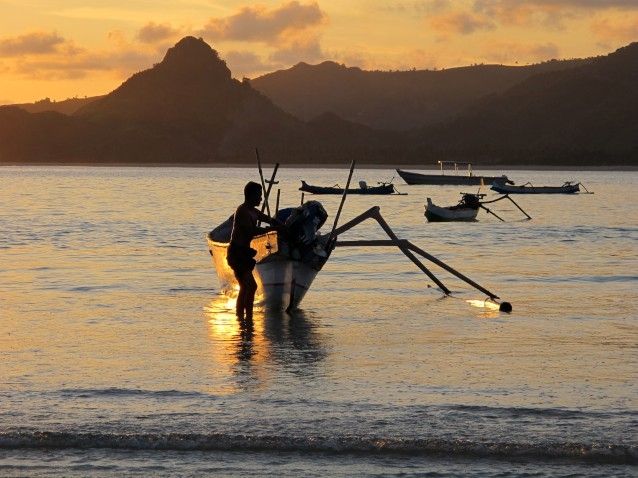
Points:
(460, 23)
(154, 32)
(259, 24)
(121, 62)
(308, 51)
(34, 43)
(546, 13)
(246, 63)
(423, 6)
(615, 30)
(583, 4)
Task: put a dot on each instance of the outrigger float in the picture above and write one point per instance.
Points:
(287, 264)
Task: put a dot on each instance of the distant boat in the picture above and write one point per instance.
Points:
(383, 188)
(567, 188)
(466, 210)
(451, 179)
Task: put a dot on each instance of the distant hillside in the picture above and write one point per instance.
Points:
(188, 110)
(398, 100)
(583, 115)
(67, 107)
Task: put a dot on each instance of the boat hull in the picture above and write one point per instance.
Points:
(282, 282)
(435, 213)
(384, 189)
(509, 189)
(451, 180)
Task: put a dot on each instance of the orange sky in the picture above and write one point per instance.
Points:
(66, 48)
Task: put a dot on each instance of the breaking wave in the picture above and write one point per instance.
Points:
(596, 453)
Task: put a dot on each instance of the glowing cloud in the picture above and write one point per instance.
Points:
(618, 30)
(119, 62)
(153, 32)
(308, 51)
(259, 24)
(548, 13)
(246, 63)
(34, 43)
(460, 23)
(418, 6)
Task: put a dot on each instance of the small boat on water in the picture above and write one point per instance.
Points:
(451, 179)
(286, 266)
(567, 188)
(383, 188)
(466, 210)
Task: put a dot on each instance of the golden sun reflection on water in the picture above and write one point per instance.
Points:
(238, 349)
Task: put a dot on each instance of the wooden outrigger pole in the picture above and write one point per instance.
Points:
(408, 248)
(270, 182)
(505, 196)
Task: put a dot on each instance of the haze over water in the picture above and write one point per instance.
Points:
(119, 356)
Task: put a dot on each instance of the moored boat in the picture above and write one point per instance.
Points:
(286, 266)
(383, 188)
(451, 179)
(466, 210)
(567, 188)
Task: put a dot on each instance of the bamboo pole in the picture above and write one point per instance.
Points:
(267, 192)
(261, 176)
(519, 208)
(277, 203)
(343, 200)
(491, 212)
(373, 213)
(406, 246)
(418, 250)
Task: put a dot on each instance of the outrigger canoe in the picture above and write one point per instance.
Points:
(286, 266)
(466, 210)
(567, 188)
(383, 188)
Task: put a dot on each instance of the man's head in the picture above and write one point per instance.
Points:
(252, 193)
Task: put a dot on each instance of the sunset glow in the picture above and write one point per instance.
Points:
(63, 49)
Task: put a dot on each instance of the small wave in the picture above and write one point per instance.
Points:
(597, 453)
(190, 289)
(563, 413)
(568, 279)
(122, 392)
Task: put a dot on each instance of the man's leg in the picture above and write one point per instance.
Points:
(240, 307)
(249, 299)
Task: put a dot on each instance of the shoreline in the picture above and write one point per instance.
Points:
(417, 167)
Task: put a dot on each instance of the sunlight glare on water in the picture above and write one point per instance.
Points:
(113, 325)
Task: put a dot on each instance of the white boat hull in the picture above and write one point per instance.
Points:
(436, 213)
(282, 282)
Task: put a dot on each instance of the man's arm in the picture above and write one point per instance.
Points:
(270, 220)
(275, 224)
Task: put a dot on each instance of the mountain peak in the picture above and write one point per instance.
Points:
(192, 53)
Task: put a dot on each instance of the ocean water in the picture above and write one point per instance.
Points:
(119, 357)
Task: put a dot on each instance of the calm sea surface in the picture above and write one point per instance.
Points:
(119, 357)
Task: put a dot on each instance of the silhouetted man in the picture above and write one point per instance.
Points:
(240, 255)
